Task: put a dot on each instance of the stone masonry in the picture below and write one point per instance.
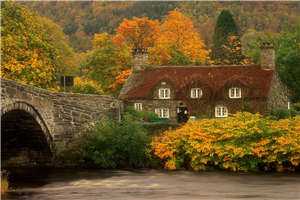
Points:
(60, 115)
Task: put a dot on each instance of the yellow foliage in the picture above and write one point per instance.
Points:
(85, 85)
(4, 185)
(239, 143)
(100, 39)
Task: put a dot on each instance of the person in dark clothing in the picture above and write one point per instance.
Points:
(182, 113)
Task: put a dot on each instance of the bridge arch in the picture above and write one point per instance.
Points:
(25, 138)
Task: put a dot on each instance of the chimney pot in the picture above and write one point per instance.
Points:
(267, 56)
(140, 59)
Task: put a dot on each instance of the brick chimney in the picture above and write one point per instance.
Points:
(140, 59)
(267, 56)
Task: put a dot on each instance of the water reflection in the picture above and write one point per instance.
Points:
(151, 184)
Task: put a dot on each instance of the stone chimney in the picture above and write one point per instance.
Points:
(267, 56)
(140, 59)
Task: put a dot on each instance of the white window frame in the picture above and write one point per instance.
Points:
(138, 106)
(196, 93)
(163, 112)
(221, 111)
(164, 93)
(235, 93)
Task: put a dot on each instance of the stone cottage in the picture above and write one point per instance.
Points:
(180, 92)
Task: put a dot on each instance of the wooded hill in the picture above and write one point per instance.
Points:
(81, 20)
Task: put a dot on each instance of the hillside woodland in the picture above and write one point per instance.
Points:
(93, 40)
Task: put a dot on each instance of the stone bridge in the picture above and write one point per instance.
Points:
(34, 120)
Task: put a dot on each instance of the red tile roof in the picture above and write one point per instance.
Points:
(214, 77)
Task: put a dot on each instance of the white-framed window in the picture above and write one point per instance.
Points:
(196, 93)
(138, 106)
(221, 111)
(164, 93)
(162, 112)
(235, 93)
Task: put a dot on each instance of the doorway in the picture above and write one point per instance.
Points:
(182, 113)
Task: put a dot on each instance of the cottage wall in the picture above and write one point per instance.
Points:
(150, 105)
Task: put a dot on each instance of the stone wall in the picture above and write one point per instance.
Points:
(64, 114)
(204, 106)
(278, 94)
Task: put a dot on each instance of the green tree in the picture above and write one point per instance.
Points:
(224, 28)
(287, 48)
(288, 60)
(105, 61)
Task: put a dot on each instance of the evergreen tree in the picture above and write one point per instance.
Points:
(224, 28)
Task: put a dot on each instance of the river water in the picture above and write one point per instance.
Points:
(151, 184)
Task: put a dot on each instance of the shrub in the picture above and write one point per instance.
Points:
(296, 106)
(4, 183)
(282, 113)
(240, 143)
(110, 144)
(144, 116)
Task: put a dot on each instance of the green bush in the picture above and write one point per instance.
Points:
(296, 106)
(110, 144)
(144, 116)
(282, 113)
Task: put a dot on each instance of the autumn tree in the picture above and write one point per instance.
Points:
(105, 61)
(225, 27)
(232, 53)
(178, 37)
(33, 48)
(137, 33)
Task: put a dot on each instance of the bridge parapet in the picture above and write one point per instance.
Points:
(64, 114)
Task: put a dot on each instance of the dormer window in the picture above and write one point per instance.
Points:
(221, 111)
(196, 93)
(235, 93)
(164, 93)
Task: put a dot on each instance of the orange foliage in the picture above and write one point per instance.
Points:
(120, 79)
(137, 32)
(178, 31)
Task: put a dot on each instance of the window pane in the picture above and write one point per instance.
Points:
(238, 92)
(196, 92)
(221, 111)
(232, 92)
(167, 95)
